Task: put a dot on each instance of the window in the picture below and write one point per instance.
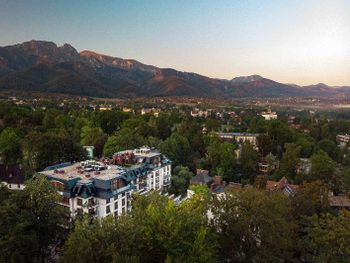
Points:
(118, 183)
(123, 194)
(123, 202)
(9, 185)
(79, 202)
(108, 209)
(116, 205)
(116, 213)
(91, 201)
(18, 186)
(108, 201)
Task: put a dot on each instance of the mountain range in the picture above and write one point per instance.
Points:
(42, 66)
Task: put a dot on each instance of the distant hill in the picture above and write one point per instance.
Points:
(42, 66)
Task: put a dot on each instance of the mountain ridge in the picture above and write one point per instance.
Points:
(46, 67)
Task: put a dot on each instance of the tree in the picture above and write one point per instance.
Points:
(94, 137)
(177, 148)
(264, 144)
(10, 146)
(156, 230)
(322, 167)
(109, 240)
(279, 133)
(290, 161)
(249, 159)
(342, 182)
(260, 182)
(180, 180)
(327, 238)
(221, 157)
(201, 190)
(312, 198)
(43, 149)
(124, 139)
(307, 145)
(330, 148)
(29, 223)
(109, 121)
(250, 223)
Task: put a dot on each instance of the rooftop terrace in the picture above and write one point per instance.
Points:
(84, 170)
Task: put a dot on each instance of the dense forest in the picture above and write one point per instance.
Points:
(245, 225)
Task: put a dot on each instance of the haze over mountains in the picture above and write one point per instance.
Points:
(41, 66)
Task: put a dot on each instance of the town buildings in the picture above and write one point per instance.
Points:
(199, 113)
(343, 139)
(283, 186)
(269, 115)
(104, 188)
(268, 164)
(240, 137)
(153, 111)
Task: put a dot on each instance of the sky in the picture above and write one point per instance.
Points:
(290, 41)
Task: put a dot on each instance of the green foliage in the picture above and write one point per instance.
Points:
(322, 167)
(250, 224)
(289, 162)
(180, 180)
(343, 182)
(122, 140)
(265, 144)
(155, 231)
(43, 149)
(10, 146)
(327, 238)
(257, 124)
(93, 137)
(29, 223)
(280, 134)
(312, 198)
(249, 159)
(201, 190)
(109, 121)
(307, 145)
(177, 148)
(330, 148)
(221, 158)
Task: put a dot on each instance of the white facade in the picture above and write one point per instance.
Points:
(240, 137)
(269, 115)
(101, 190)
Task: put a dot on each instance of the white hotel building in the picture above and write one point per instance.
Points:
(102, 189)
